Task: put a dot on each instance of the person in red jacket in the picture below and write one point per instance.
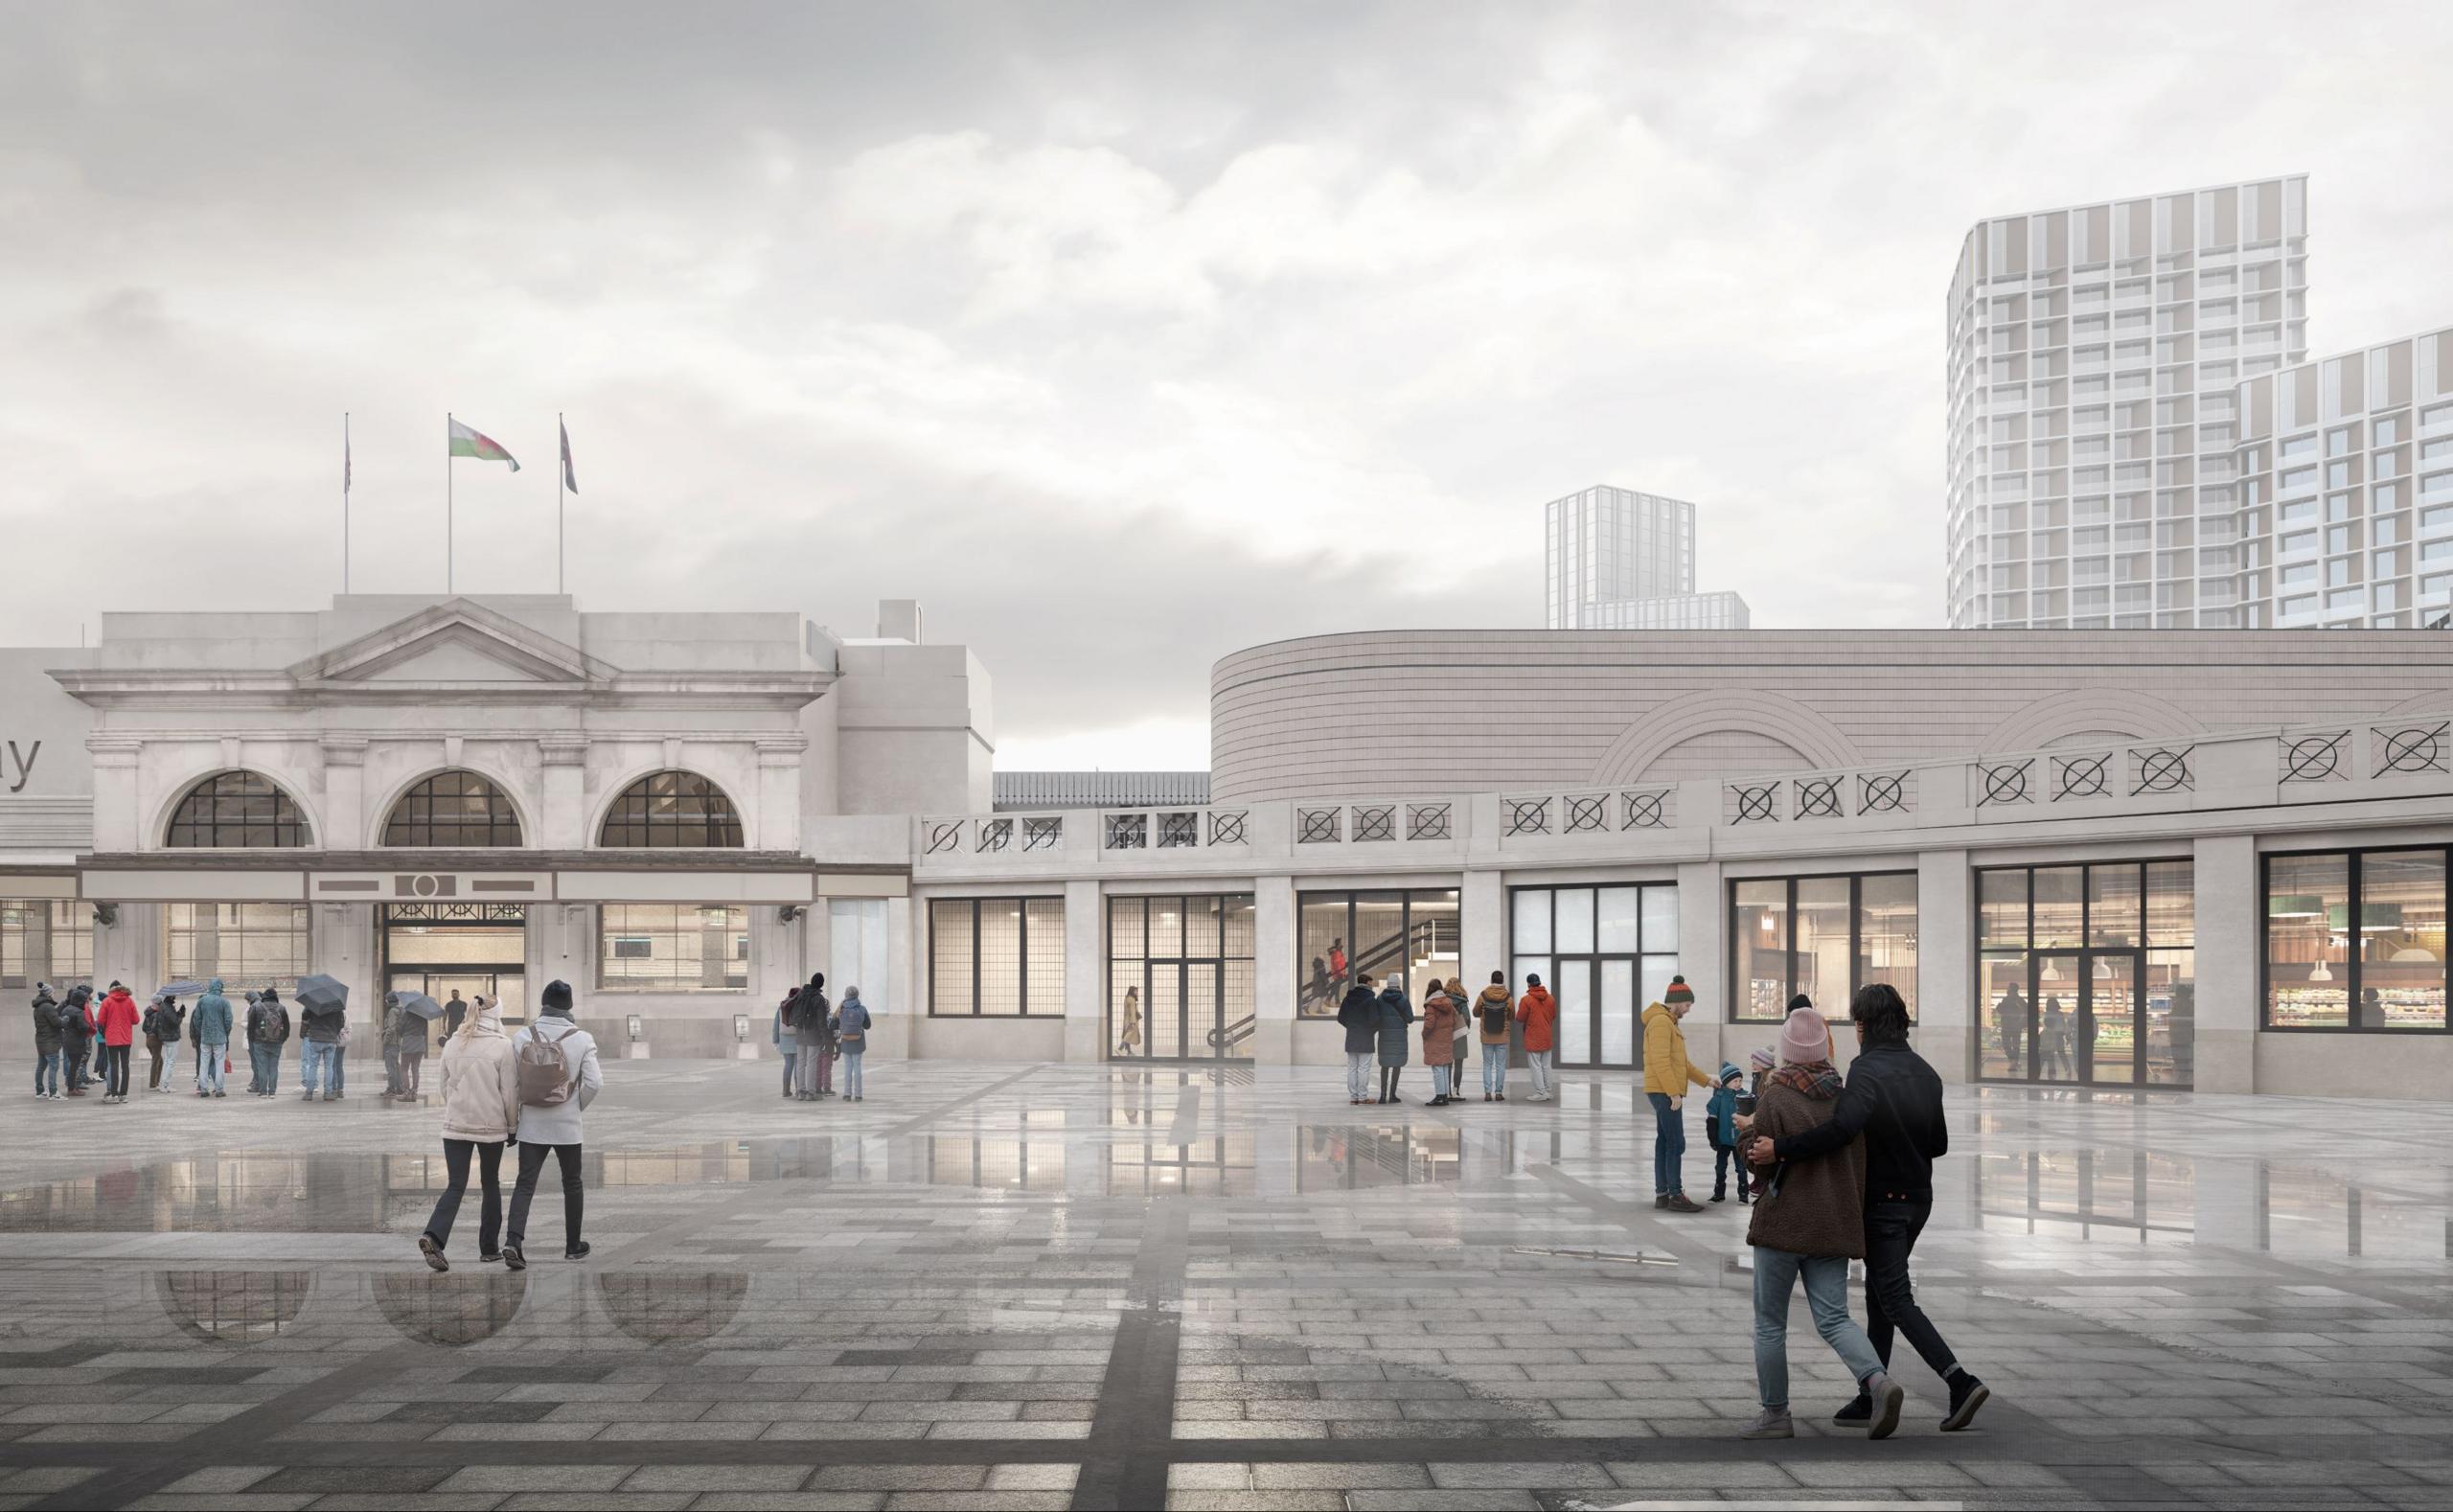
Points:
(116, 1018)
(1540, 1017)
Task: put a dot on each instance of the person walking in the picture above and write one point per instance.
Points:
(454, 1013)
(1396, 1016)
(47, 1042)
(2010, 1028)
(1337, 964)
(1359, 1013)
(852, 1036)
(388, 1029)
(1129, 1043)
(1807, 1226)
(480, 1109)
(415, 1035)
(559, 1077)
(76, 1036)
(788, 1044)
(1539, 1013)
(1439, 1019)
(1667, 1074)
(267, 1031)
(212, 1024)
(118, 1018)
(319, 1051)
(1493, 1013)
(1894, 1100)
(2054, 1041)
(810, 1034)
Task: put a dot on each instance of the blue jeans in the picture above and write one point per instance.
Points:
(1440, 1080)
(1668, 1147)
(318, 1061)
(1358, 1075)
(1826, 1296)
(1494, 1068)
(792, 1059)
(851, 1072)
(169, 1063)
(47, 1072)
(209, 1059)
(264, 1067)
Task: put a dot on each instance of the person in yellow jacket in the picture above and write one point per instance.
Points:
(1666, 1073)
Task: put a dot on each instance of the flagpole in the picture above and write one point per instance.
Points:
(345, 481)
(446, 503)
(562, 446)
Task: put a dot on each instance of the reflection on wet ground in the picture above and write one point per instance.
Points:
(243, 1308)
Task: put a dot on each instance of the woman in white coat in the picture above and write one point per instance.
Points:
(551, 1102)
(480, 1109)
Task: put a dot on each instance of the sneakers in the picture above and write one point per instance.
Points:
(1677, 1202)
(1967, 1394)
(1857, 1413)
(1661, 1199)
(1886, 1397)
(1770, 1423)
(309, 1094)
(490, 1257)
(512, 1259)
(1720, 1197)
(579, 1251)
(433, 1252)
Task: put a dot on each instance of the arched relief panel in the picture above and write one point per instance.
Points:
(2437, 700)
(1748, 724)
(2092, 713)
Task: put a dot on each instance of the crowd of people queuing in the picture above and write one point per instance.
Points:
(1837, 1169)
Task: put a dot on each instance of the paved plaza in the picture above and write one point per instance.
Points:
(1126, 1287)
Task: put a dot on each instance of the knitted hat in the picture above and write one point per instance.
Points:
(558, 995)
(1729, 1069)
(1679, 992)
(1805, 1037)
(1761, 1059)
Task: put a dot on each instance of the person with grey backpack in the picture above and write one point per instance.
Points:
(852, 1033)
(559, 1077)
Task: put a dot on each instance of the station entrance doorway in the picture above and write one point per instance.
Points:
(474, 949)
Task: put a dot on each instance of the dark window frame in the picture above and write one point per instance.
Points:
(971, 905)
(1596, 957)
(2031, 956)
(411, 824)
(220, 802)
(1789, 938)
(2355, 966)
(672, 810)
(1230, 1015)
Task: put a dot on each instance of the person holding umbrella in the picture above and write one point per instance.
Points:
(418, 1012)
(323, 1018)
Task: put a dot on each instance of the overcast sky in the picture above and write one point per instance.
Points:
(1121, 336)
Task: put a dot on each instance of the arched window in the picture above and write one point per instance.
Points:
(238, 809)
(452, 810)
(672, 811)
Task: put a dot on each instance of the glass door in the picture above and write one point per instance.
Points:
(1165, 1010)
(2056, 1006)
(2108, 1041)
(1574, 992)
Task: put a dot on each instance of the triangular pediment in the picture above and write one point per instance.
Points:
(456, 643)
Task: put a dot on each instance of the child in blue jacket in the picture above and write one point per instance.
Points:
(1720, 1131)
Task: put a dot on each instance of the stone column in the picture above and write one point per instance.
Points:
(1482, 929)
(2228, 943)
(1274, 977)
(777, 826)
(119, 819)
(1946, 964)
(1703, 950)
(564, 824)
(1084, 975)
(344, 817)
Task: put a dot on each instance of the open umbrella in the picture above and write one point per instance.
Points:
(421, 1004)
(320, 995)
(184, 987)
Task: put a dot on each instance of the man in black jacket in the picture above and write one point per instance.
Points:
(1360, 1012)
(1894, 1099)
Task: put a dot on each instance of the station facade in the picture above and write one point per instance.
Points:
(2211, 861)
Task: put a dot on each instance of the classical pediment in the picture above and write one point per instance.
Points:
(457, 644)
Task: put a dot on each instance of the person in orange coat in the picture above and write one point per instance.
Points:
(117, 1019)
(1540, 1017)
(1439, 1041)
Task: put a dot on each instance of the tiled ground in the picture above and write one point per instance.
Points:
(1050, 1286)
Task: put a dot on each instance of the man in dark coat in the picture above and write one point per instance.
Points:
(1359, 1014)
(47, 1041)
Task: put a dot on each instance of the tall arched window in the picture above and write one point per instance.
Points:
(672, 811)
(452, 810)
(237, 808)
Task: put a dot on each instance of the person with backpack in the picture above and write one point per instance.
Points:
(480, 1109)
(75, 1037)
(267, 1031)
(47, 1042)
(852, 1036)
(809, 1035)
(1493, 1012)
(1539, 1013)
(165, 1020)
(559, 1077)
(211, 1021)
(1359, 1014)
(787, 1043)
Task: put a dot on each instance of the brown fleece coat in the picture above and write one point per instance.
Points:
(1818, 1205)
